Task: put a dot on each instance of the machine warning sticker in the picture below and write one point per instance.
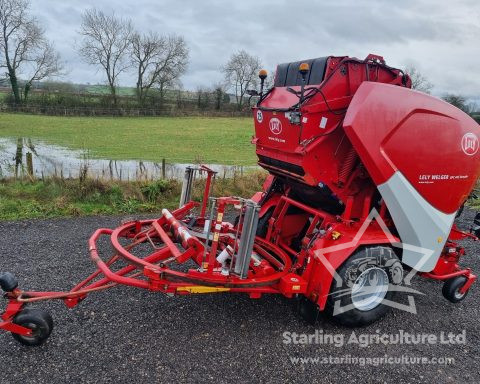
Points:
(470, 144)
(259, 116)
(323, 122)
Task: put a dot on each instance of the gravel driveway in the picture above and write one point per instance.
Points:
(128, 335)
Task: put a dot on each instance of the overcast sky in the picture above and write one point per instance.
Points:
(441, 38)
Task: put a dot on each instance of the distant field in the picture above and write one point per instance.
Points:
(180, 140)
(104, 90)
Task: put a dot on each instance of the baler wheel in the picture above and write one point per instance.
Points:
(451, 289)
(367, 277)
(39, 321)
(262, 226)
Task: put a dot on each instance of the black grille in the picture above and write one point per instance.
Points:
(289, 167)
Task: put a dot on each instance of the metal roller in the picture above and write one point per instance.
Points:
(245, 247)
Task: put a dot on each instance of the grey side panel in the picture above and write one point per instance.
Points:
(423, 229)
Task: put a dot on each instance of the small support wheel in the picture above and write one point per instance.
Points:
(8, 282)
(39, 321)
(451, 289)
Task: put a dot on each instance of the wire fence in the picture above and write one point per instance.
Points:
(171, 103)
(169, 111)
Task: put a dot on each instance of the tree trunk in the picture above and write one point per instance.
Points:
(114, 94)
(162, 94)
(15, 88)
(140, 92)
(26, 91)
(142, 95)
(240, 103)
(218, 99)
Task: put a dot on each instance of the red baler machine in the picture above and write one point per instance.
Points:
(366, 177)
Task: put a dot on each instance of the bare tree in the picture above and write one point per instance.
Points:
(173, 64)
(26, 51)
(13, 22)
(106, 41)
(204, 97)
(419, 81)
(460, 102)
(145, 51)
(220, 95)
(241, 73)
(158, 59)
(45, 64)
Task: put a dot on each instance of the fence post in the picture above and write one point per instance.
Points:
(164, 170)
(18, 156)
(30, 165)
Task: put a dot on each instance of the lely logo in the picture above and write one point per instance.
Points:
(470, 144)
(275, 126)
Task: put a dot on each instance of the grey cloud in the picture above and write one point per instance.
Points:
(439, 35)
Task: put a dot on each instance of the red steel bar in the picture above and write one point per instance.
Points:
(92, 246)
(166, 239)
(206, 192)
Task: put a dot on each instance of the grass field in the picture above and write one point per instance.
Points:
(99, 89)
(178, 140)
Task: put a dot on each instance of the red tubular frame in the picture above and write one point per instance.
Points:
(104, 268)
(464, 272)
(12, 309)
(152, 272)
(352, 173)
(206, 193)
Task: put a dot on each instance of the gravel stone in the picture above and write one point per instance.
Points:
(128, 335)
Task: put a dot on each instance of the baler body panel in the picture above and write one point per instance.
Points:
(415, 148)
(433, 144)
(420, 153)
(423, 229)
(313, 151)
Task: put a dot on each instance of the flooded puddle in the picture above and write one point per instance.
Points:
(18, 156)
